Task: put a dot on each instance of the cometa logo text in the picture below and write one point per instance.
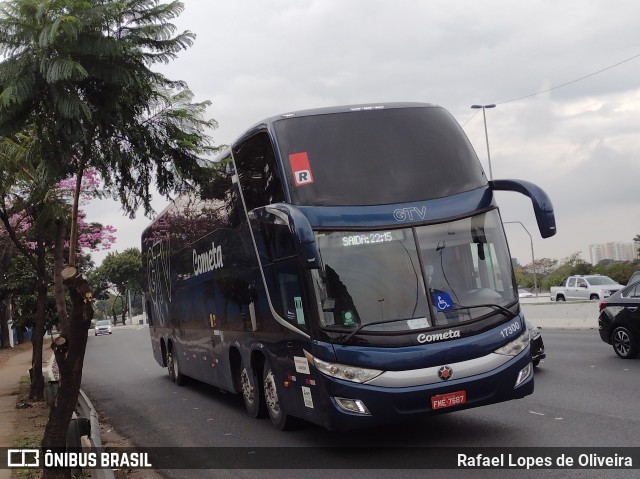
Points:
(430, 338)
(207, 261)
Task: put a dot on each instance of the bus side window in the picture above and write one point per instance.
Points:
(258, 173)
(286, 293)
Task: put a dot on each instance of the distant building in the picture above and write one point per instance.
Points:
(615, 251)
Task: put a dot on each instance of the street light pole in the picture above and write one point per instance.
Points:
(486, 135)
(533, 258)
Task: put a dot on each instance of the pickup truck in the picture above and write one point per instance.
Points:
(588, 287)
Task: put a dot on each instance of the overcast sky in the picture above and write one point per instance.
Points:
(580, 143)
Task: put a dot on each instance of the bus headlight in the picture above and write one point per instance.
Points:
(516, 346)
(343, 371)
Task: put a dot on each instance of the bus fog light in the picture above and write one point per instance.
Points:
(523, 375)
(353, 405)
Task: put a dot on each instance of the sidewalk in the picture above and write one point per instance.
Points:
(12, 369)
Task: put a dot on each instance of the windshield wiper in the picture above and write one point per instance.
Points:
(346, 338)
(507, 311)
(362, 326)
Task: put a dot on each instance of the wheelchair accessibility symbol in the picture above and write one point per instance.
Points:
(442, 301)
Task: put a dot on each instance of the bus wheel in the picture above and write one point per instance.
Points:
(278, 417)
(174, 368)
(250, 388)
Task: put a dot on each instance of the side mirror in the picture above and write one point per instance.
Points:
(299, 228)
(542, 206)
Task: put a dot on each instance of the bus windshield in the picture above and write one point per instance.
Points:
(394, 155)
(383, 276)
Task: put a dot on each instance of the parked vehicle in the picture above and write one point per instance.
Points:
(103, 326)
(537, 346)
(523, 293)
(619, 321)
(635, 277)
(589, 287)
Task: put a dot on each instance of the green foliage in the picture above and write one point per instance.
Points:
(122, 270)
(78, 72)
(619, 271)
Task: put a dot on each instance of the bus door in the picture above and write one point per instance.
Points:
(283, 275)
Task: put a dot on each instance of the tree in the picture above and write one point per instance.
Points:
(569, 266)
(636, 241)
(32, 213)
(619, 271)
(124, 272)
(79, 72)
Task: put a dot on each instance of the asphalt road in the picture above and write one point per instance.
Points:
(585, 397)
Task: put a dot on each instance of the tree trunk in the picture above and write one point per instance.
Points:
(69, 350)
(5, 258)
(36, 390)
(125, 308)
(4, 323)
(58, 265)
(73, 240)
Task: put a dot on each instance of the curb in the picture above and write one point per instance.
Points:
(86, 409)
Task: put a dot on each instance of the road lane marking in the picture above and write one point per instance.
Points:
(537, 413)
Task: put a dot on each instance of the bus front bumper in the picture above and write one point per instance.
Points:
(383, 405)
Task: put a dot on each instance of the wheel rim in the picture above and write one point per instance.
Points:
(170, 366)
(245, 384)
(271, 395)
(622, 342)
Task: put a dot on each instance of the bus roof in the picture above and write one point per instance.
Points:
(329, 111)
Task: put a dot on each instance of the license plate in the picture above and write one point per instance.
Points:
(448, 400)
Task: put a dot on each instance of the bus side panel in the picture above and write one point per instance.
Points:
(157, 281)
(156, 332)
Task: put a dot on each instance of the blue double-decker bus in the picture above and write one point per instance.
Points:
(347, 266)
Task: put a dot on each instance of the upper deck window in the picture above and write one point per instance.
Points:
(257, 172)
(384, 156)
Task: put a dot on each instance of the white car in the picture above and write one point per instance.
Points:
(523, 293)
(103, 326)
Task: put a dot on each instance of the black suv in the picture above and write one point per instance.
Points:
(619, 321)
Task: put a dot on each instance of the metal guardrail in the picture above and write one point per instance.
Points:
(86, 409)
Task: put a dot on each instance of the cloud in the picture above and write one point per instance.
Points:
(255, 58)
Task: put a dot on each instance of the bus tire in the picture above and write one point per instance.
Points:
(251, 391)
(278, 416)
(173, 367)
